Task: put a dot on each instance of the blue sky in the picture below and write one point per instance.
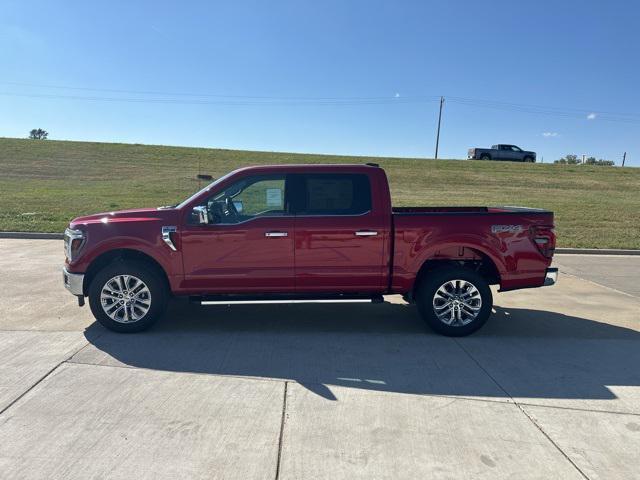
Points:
(578, 60)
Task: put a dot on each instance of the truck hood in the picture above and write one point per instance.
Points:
(129, 216)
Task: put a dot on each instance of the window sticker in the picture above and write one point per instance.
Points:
(274, 197)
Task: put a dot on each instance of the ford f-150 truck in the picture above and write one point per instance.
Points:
(306, 232)
(501, 152)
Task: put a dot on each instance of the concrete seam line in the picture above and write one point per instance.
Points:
(551, 440)
(455, 340)
(598, 284)
(71, 361)
(32, 235)
(89, 342)
(596, 251)
(282, 422)
(50, 372)
(17, 399)
(35, 330)
(575, 409)
(521, 409)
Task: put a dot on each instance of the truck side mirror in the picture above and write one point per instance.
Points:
(200, 215)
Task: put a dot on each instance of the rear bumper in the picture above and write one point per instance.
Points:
(551, 277)
(73, 282)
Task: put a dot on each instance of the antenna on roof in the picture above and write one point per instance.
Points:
(371, 164)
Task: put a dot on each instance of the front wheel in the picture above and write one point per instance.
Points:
(127, 297)
(454, 301)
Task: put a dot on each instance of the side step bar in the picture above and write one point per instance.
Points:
(282, 299)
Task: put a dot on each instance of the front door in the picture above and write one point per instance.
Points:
(339, 237)
(247, 246)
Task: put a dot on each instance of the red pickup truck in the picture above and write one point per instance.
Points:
(295, 233)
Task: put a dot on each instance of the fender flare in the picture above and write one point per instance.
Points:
(140, 247)
(472, 242)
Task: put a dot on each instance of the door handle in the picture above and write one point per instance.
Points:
(276, 234)
(366, 233)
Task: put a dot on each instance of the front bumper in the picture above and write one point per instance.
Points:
(551, 277)
(73, 282)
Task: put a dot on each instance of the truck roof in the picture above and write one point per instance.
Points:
(318, 167)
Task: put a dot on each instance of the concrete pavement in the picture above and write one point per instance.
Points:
(549, 388)
(614, 271)
(123, 423)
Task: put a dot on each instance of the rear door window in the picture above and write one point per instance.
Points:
(333, 194)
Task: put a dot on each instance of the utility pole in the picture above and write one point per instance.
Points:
(624, 157)
(439, 120)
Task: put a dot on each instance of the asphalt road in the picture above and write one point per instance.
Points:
(549, 388)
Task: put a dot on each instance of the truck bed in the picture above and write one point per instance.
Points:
(506, 235)
(465, 210)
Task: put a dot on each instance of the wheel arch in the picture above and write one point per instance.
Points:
(475, 259)
(122, 254)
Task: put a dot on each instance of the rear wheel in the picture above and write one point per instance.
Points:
(127, 297)
(454, 301)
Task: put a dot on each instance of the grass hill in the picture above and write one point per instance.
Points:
(45, 183)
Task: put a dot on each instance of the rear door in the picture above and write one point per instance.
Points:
(504, 152)
(339, 234)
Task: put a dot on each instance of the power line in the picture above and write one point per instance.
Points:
(159, 97)
(631, 118)
(211, 95)
(537, 107)
(283, 102)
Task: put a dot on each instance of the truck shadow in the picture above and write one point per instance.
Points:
(519, 353)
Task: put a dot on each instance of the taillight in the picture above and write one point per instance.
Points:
(545, 239)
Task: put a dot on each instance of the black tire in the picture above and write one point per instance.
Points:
(528, 159)
(432, 282)
(484, 156)
(149, 276)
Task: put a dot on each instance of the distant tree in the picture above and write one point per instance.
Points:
(568, 160)
(38, 134)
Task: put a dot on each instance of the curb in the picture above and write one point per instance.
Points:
(559, 251)
(32, 235)
(596, 251)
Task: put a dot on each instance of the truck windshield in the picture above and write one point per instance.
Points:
(205, 189)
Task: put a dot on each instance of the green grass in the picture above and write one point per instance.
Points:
(44, 184)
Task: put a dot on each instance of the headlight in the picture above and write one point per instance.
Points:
(74, 240)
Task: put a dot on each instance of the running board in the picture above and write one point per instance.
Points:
(283, 299)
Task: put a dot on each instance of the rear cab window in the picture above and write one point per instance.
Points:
(332, 194)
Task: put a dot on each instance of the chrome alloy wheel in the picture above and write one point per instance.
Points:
(457, 303)
(125, 298)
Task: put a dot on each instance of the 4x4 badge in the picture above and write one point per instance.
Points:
(506, 228)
